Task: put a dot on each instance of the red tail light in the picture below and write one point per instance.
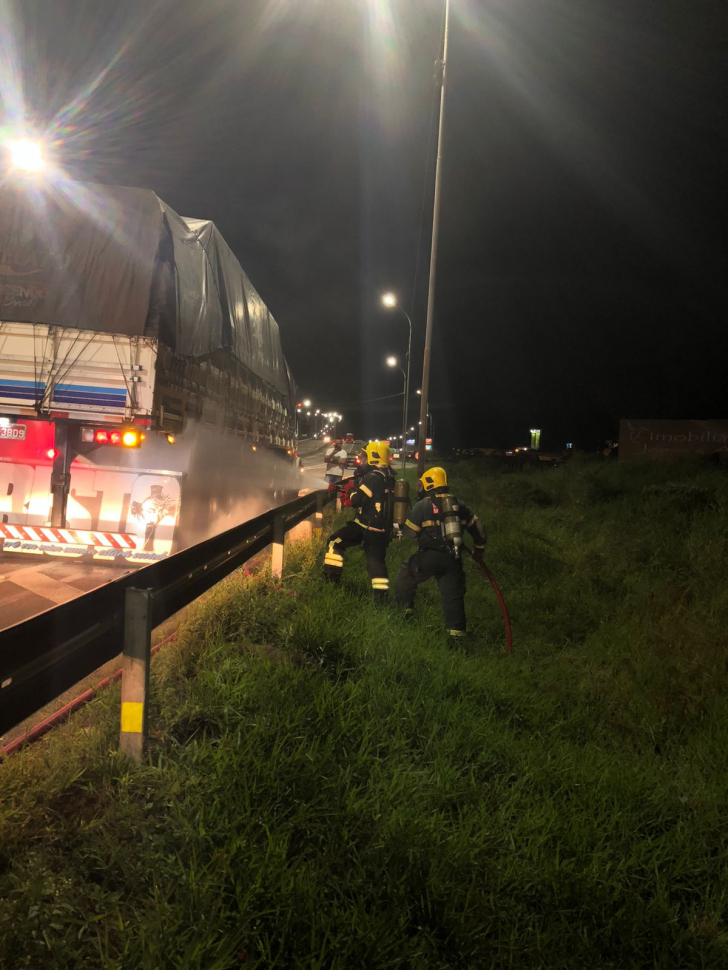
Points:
(127, 437)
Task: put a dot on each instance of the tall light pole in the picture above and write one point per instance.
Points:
(393, 362)
(306, 404)
(390, 300)
(433, 252)
(429, 424)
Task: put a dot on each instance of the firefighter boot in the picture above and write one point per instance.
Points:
(380, 590)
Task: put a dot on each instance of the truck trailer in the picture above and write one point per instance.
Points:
(145, 402)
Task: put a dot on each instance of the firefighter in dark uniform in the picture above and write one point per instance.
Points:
(438, 520)
(371, 527)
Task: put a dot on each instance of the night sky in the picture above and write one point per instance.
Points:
(582, 270)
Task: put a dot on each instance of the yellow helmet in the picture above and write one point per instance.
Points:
(434, 478)
(378, 454)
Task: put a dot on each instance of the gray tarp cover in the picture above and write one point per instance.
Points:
(119, 260)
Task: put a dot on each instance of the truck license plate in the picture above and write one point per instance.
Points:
(15, 432)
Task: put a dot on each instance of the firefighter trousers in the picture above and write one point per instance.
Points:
(450, 577)
(374, 546)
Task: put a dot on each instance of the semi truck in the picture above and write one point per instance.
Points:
(145, 402)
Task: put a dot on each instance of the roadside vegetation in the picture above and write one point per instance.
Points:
(329, 786)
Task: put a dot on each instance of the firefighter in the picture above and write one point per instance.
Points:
(371, 527)
(437, 520)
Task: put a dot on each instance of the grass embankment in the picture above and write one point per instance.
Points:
(331, 787)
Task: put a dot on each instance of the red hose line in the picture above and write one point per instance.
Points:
(61, 715)
(496, 588)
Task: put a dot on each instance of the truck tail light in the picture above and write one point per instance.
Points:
(126, 437)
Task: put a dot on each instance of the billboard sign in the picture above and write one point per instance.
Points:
(664, 439)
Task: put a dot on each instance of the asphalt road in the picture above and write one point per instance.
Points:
(27, 587)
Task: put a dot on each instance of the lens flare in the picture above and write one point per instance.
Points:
(26, 155)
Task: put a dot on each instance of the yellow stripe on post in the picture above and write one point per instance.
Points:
(132, 717)
(135, 672)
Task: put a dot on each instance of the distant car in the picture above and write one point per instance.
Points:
(354, 460)
(349, 438)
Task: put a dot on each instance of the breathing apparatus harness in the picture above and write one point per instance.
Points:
(447, 516)
(446, 512)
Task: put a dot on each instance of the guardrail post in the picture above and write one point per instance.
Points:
(279, 538)
(318, 519)
(135, 672)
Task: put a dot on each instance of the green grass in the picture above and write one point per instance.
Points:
(331, 787)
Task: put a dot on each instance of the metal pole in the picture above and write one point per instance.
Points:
(433, 255)
(406, 387)
(279, 538)
(135, 672)
(318, 519)
(404, 420)
(60, 475)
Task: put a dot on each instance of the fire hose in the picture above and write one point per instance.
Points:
(481, 565)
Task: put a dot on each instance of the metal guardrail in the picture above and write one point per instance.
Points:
(42, 657)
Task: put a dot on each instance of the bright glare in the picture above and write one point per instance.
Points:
(130, 439)
(389, 299)
(391, 361)
(26, 155)
(307, 403)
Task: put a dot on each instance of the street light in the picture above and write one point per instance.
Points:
(390, 301)
(393, 362)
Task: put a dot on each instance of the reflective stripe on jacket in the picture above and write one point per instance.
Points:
(371, 499)
(424, 521)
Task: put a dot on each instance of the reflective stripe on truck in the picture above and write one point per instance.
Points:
(75, 544)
